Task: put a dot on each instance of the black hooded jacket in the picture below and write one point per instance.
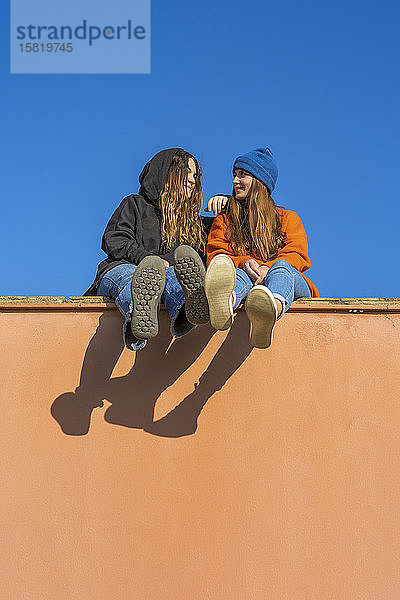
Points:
(134, 230)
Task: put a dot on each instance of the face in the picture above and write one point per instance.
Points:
(191, 177)
(241, 184)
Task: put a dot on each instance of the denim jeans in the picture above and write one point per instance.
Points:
(116, 284)
(283, 280)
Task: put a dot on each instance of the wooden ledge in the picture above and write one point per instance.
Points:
(99, 303)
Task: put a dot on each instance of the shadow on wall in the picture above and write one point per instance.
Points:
(133, 397)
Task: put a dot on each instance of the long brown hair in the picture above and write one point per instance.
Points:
(254, 224)
(181, 221)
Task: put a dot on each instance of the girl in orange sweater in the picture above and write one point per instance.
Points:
(256, 252)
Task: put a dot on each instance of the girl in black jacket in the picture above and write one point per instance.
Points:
(152, 242)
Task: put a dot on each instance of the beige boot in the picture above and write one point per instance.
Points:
(219, 284)
(262, 313)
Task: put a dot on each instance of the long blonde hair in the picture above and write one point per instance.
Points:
(254, 224)
(181, 221)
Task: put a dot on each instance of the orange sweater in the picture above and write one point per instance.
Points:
(295, 251)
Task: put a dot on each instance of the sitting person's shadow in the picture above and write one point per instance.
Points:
(133, 396)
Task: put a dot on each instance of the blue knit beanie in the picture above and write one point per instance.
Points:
(261, 164)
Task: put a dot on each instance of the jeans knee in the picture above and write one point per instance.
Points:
(281, 264)
(242, 276)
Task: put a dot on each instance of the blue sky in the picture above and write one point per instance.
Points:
(317, 82)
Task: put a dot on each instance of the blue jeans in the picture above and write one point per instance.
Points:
(116, 284)
(283, 280)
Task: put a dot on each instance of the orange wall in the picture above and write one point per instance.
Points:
(288, 488)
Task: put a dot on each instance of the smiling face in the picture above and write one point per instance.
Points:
(242, 182)
(191, 177)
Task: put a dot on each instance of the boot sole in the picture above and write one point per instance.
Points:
(190, 272)
(219, 285)
(261, 310)
(148, 284)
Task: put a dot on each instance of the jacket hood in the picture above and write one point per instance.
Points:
(152, 178)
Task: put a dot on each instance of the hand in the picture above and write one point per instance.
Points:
(166, 263)
(263, 271)
(216, 204)
(254, 271)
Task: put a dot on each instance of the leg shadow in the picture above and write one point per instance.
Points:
(133, 396)
(73, 410)
(182, 420)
